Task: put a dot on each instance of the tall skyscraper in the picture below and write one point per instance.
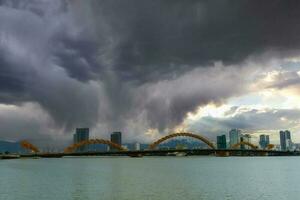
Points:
(267, 140)
(264, 141)
(287, 135)
(285, 140)
(234, 136)
(81, 134)
(289, 143)
(221, 142)
(282, 140)
(116, 137)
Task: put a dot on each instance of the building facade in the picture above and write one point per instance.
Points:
(282, 140)
(81, 134)
(221, 142)
(285, 140)
(264, 141)
(267, 139)
(234, 136)
(116, 137)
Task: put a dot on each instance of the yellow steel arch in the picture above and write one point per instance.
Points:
(27, 145)
(270, 146)
(73, 147)
(198, 137)
(244, 143)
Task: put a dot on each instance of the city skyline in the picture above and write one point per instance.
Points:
(83, 143)
(236, 140)
(146, 70)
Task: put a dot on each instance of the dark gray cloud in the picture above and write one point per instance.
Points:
(167, 102)
(33, 58)
(154, 38)
(77, 56)
(138, 64)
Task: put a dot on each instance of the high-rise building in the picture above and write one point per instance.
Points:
(289, 144)
(287, 135)
(264, 141)
(234, 136)
(285, 140)
(116, 137)
(267, 139)
(221, 142)
(81, 134)
(282, 140)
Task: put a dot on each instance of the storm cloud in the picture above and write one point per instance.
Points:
(135, 65)
(154, 38)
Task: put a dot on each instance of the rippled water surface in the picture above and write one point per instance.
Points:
(101, 178)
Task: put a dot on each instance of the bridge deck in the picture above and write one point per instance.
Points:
(230, 152)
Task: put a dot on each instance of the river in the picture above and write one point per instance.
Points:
(195, 177)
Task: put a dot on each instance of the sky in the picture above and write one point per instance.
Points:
(148, 68)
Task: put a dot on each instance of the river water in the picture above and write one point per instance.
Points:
(100, 178)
